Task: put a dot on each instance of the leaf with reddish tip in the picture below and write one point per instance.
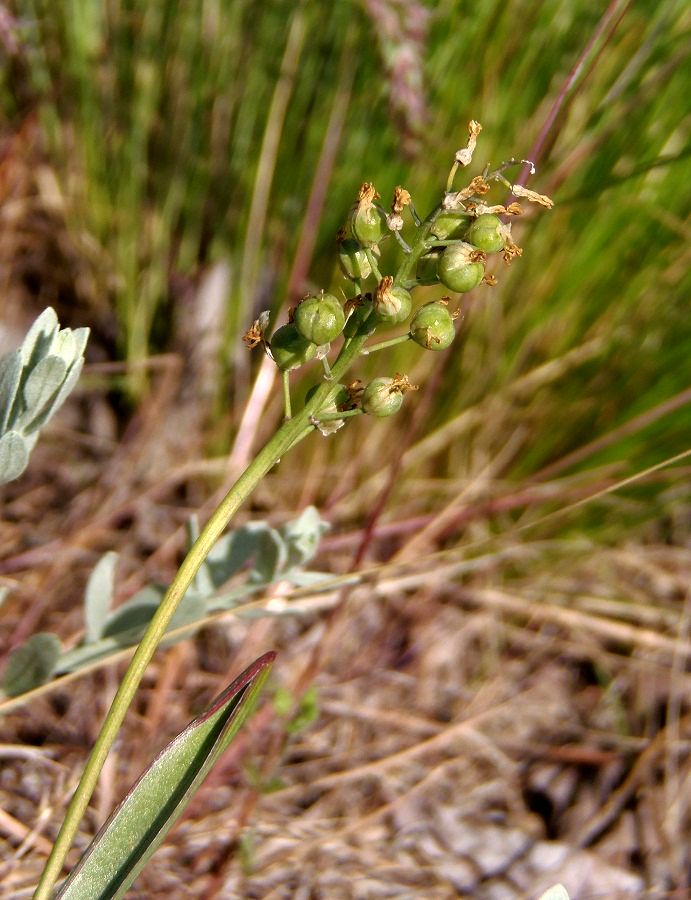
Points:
(134, 831)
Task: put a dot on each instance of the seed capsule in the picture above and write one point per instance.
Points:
(427, 270)
(486, 233)
(319, 318)
(461, 267)
(451, 224)
(381, 398)
(290, 349)
(368, 221)
(432, 326)
(384, 396)
(392, 303)
(353, 260)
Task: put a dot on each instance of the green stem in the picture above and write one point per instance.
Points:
(334, 417)
(287, 410)
(373, 263)
(382, 345)
(286, 436)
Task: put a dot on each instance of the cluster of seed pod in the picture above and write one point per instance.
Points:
(450, 248)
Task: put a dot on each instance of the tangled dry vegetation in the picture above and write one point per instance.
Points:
(492, 718)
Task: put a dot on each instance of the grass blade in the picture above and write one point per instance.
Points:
(138, 826)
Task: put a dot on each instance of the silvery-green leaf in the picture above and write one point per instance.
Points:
(98, 597)
(81, 336)
(134, 615)
(232, 551)
(69, 382)
(136, 829)
(302, 536)
(202, 583)
(14, 456)
(31, 664)
(64, 346)
(41, 387)
(10, 373)
(39, 338)
(270, 558)
(86, 654)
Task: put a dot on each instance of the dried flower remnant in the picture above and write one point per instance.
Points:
(478, 187)
(255, 333)
(532, 196)
(401, 199)
(464, 157)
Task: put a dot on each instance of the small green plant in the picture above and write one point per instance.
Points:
(374, 299)
(260, 553)
(35, 381)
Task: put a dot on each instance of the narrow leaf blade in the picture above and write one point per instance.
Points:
(138, 826)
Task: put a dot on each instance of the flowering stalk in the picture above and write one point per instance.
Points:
(448, 231)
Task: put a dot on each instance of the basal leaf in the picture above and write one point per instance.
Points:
(138, 826)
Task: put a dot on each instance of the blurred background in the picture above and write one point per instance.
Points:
(167, 171)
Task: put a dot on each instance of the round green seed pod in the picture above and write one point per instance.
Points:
(290, 349)
(451, 224)
(432, 326)
(368, 225)
(461, 267)
(392, 303)
(381, 397)
(353, 260)
(319, 318)
(427, 270)
(486, 233)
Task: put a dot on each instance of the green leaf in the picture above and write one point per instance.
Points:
(14, 456)
(31, 664)
(271, 555)
(135, 615)
(122, 847)
(231, 552)
(98, 597)
(302, 537)
(10, 374)
(41, 389)
(39, 338)
(69, 382)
